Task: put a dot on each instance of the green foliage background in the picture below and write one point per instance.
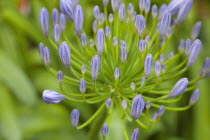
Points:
(23, 114)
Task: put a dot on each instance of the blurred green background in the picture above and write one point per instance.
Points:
(24, 115)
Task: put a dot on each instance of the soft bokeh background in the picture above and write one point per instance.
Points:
(23, 114)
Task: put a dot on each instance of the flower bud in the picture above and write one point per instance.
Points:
(62, 21)
(104, 129)
(52, 97)
(55, 16)
(108, 32)
(184, 10)
(65, 54)
(41, 50)
(161, 110)
(154, 116)
(100, 41)
(162, 58)
(122, 11)
(179, 87)
(142, 5)
(83, 69)
(130, 8)
(82, 85)
(105, 3)
(108, 102)
(57, 33)
(148, 65)
(135, 134)
(75, 117)
(165, 24)
(60, 76)
(78, 20)
(148, 104)
(196, 30)
(132, 86)
(137, 106)
(140, 24)
(188, 45)
(46, 56)
(181, 45)
(142, 45)
(115, 5)
(116, 73)
(91, 42)
(94, 25)
(114, 41)
(162, 10)
(111, 18)
(123, 43)
(44, 21)
(205, 68)
(123, 54)
(124, 104)
(96, 12)
(147, 6)
(194, 97)
(67, 8)
(95, 65)
(142, 80)
(83, 40)
(154, 11)
(157, 68)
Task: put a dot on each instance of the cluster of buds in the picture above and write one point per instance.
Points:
(122, 64)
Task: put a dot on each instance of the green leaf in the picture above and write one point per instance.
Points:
(16, 80)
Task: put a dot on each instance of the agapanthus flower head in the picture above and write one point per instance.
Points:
(121, 62)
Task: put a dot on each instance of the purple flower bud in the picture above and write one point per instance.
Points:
(52, 97)
(140, 24)
(62, 21)
(135, 134)
(184, 10)
(147, 6)
(165, 24)
(148, 65)
(163, 68)
(105, 3)
(124, 104)
(137, 106)
(123, 43)
(82, 86)
(122, 11)
(187, 46)
(75, 117)
(44, 21)
(179, 87)
(194, 51)
(96, 12)
(60, 76)
(55, 16)
(157, 68)
(181, 44)
(95, 65)
(104, 129)
(162, 58)
(65, 54)
(162, 10)
(114, 41)
(108, 32)
(142, 45)
(78, 20)
(116, 73)
(101, 19)
(142, 80)
(154, 11)
(194, 97)
(123, 54)
(83, 69)
(108, 102)
(154, 116)
(148, 104)
(147, 39)
(130, 8)
(100, 41)
(142, 5)
(196, 30)
(41, 50)
(46, 56)
(115, 5)
(94, 25)
(174, 6)
(67, 8)
(83, 40)
(161, 110)
(57, 33)
(205, 68)
(111, 18)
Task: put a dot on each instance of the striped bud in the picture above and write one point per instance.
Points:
(162, 58)
(78, 20)
(135, 134)
(161, 110)
(194, 51)
(148, 65)
(96, 12)
(60, 76)
(111, 18)
(65, 54)
(162, 10)
(57, 33)
(179, 87)
(75, 117)
(147, 6)
(124, 104)
(123, 54)
(154, 11)
(67, 8)
(95, 65)
(181, 45)
(137, 106)
(140, 24)
(205, 68)
(196, 30)
(123, 43)
(165, 24)
(122, 11)
(44, 21)
(194, 97)
(94, 26)
(55, 16)
(115, 5)
(100, 41)
(83, 40)
(83, 69)
(157, 68)
(82, 86)
(184, 10)
(52, 97)
(108, 32)
(104, 129)
(108, 102)
(130, 8)
(41, 50)
(46, 56)
(142, 5)
(142, 45)
(154, 116)
(116, 73)
(62, 21)
(187, 46)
